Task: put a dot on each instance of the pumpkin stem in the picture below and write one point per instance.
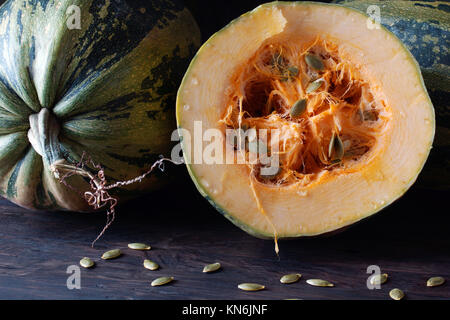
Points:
(43, 136)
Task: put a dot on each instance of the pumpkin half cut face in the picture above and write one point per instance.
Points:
(324, 113)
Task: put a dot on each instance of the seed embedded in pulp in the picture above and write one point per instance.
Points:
(290, 278)
(396, 294)
(161, 281)
(335, 148)
(251, 286)
(319, 283)
(211, 267)
(313, 86)
(111, 254)
(151, 265)
(314, 62)
(139, 246)
(86, 262)
(293, 71)
(435, 281)
(298, 108)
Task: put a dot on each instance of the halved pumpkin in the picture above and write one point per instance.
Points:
(354, 118)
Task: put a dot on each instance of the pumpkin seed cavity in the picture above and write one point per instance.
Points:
(319, 283)
(87, 262)
(251, 286)
(161, 281)
(151, 265)
(396, 294)
(305, 119)
(139, 246)
(290, 278)
(435, 281)
(111, 254)
(211, 267)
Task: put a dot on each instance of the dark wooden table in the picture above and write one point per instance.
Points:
(409, 241)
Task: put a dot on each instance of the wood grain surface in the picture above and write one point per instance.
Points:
(409, 241)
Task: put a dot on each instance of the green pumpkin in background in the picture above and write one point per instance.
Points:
(94, 77)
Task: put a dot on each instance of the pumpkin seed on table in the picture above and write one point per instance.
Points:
(314, 61)
(87, 262)
(290, 278)
(251, 286)
(211, 267)
(151, 265)
(111, 254)
(435, 281)
(161, 281)
(396, 294)
(319, 283)
(139, 246)
(378, 278)
(298, 108)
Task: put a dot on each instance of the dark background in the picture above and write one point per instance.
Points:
(409, 241)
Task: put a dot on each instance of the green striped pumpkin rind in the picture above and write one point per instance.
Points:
(111, 85)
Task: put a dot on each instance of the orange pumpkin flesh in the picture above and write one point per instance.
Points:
(371, 102)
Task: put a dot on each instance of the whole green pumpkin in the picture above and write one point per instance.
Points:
(87, 76)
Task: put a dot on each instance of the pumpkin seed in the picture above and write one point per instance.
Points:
(313, 86)
(151, 265)
(298, 108)
(211, 267)
(319, 283)
(396, 294)
(293, 71)
(378, 278)
(335, 148)
(139, 246)
(86, 262)
(290, 278)
(251, 286)
(111, 254)
(435, 281)
(161, 281)
(314, 62)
